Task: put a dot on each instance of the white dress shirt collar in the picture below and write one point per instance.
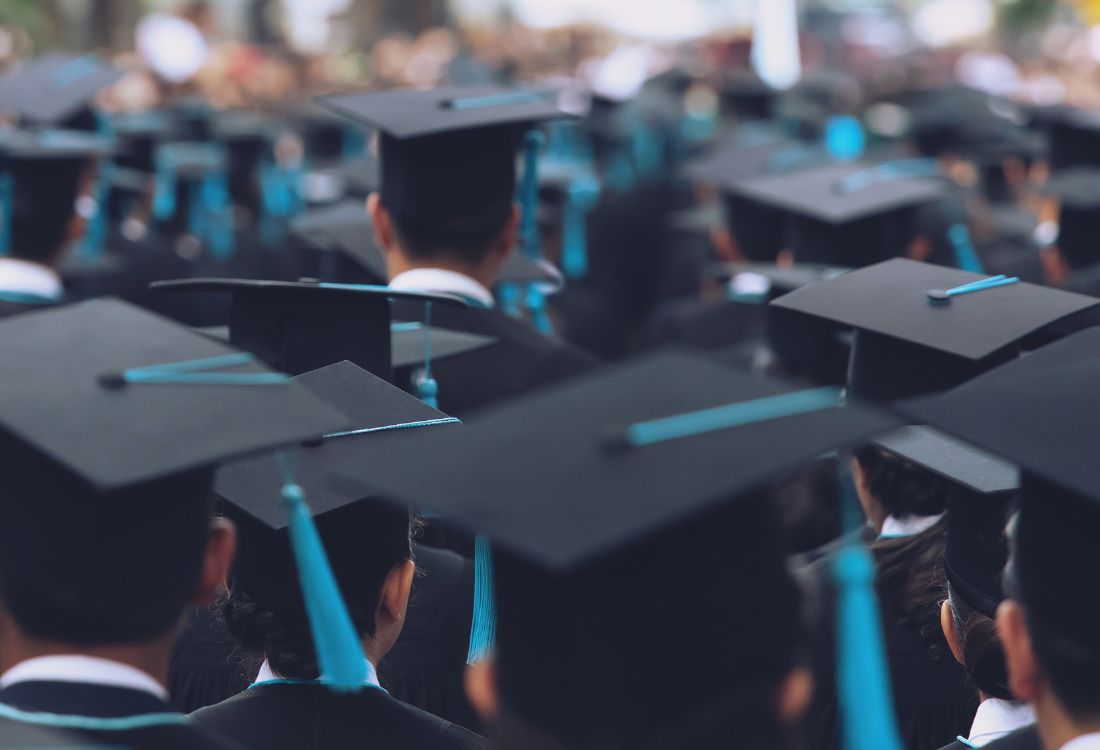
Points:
(88, 670)
(442, 281)
(24, 277)
(995, 718)
(1084, 742)
(911, 526)
(267, 674)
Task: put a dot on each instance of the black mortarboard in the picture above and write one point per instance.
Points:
(847, 214)
(780, 279)
(52, 88)
(1040, 412)
(448, 155)
(113, 437)
(379, 414)
(906, 345)
(1078, 193)
(138, 134)
(1074, 138)
(301, 326)
(347, 227)
(745, 96)
(580, 522)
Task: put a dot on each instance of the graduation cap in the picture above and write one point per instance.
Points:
(112, 434)
(778, 280)
(1040, 412)
(922, 328)
(54, 87)
(745, 96)
(347, 227)
(302, 326)
(671, 451)
(1078, 193)
(447, 155)
(1074, 136)
(379, 414)
(848, 214)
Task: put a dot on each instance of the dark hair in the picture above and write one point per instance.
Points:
(908, 570)
(982, 652)
(83, 567)
(809, 504)
(903, 488)
(45, 194)
(469, 242)
(364, 545)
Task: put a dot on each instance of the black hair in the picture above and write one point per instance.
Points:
(87, 568)
(363, 548)
(44, 196)
(982, 651)
(469, 239)
(903, 488)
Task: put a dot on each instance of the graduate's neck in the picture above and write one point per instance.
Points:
(151, 657)
(485, 273)
(1056, 727)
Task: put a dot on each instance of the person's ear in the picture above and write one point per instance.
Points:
(221, 548)
(481, 689)
(1024, 676)
(919, 249)
(381, 223)
(394, 599)
(947, 624)
(1055, 268)
(794, 695)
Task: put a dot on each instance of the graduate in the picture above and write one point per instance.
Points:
(1048, 623)
(446, 220)
(642, 595)
(372, 556)
(113, 422)
(43, 175)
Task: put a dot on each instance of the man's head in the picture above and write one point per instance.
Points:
(448, 200)
(86, 568)
(44, 219)
(1051, 622)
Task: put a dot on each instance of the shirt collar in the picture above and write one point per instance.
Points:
(442, 281)
(24, 277)
(1084, 742)
(89, 670)
(267, 674)
(995, 718)
(911, 526)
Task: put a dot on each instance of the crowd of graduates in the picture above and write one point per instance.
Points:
(591, 410)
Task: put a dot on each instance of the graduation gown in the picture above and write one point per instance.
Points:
(1022, 739)
(106, 715)
(311, 717)
(522, 359)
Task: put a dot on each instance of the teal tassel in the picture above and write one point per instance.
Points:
(508, 298)
(92, 246)
(536, 307)
(583, 192)
(863, 681)
(529, 194)
(7, 188)
(483, 628)
(426, 386)
(339, 651)
(966, 257)
(863, 684)
(218, 222)
(164, 194)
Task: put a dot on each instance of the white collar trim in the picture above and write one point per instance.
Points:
(90, 670)
(911, 526)
(1084, 742)
(24, 277)
(441, 280)
(995, 718)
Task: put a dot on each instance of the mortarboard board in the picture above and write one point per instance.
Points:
(1074, 136)
(52, 88)
(1040, 412)
(447, 155)
(581, 522)
(906, 345)
(848, 214)
(113, 437)
(347, 226)
(379, 413)
(302, 326)
(407, 342)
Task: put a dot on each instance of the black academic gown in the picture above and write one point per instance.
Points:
(1022, 739)
(111, 716)
(522, 360)
(313, 717)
